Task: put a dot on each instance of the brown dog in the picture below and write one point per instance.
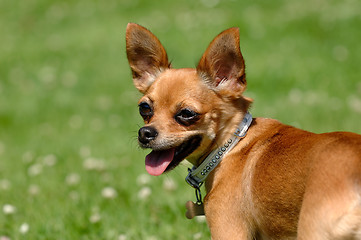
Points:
(277, 182)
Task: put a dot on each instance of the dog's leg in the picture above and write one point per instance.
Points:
(331, 216)
(349, 225)
(332, 224)
(225, 219)
(224, 227)
(331, 208)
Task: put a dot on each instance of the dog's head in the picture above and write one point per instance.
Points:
(187, 112)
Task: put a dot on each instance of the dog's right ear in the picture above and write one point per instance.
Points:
(146, 55)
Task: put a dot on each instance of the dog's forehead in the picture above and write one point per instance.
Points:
(177, 85)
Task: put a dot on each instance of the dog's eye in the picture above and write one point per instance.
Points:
(145, 110)
(186, 117)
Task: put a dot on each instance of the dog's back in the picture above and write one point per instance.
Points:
(294, 183)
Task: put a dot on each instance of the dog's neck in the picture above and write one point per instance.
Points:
(197, 175)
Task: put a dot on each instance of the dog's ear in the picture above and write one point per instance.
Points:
(146, 55)
(222, 65)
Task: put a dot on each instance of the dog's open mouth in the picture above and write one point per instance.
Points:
(158, 162)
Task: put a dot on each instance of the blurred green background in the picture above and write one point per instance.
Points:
(70, 166)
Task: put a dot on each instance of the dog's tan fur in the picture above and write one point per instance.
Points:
(279, 182)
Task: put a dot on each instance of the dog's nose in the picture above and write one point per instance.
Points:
(147, 134)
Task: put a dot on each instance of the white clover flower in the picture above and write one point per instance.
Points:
(33, 189)
(94, 164)
(111, 234)
(340, 53)
(104, 103)
(200, 219)
(354, 103)
(35, 169)
(144, 193)
(85, 152)
(75, 122)
(9, 209)
(24, 228)
(47, 74)
(74, 195)
(69, 79)
(122, 237)
(49, 160)
(72, 179)
(28, 157)
(4, 238)
(169, 184)
(107, 177)
(143, 179)
(197, 236)
(109, 193)
(5, 184)
(152, 238)
(95, 218)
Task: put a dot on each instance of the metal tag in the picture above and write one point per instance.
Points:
(194, 209)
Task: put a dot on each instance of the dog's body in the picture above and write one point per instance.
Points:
(279, 182)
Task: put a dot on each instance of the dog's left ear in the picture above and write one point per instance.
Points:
(146, 55)
(222, 65)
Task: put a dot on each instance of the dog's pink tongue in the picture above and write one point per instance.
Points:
(157, 161)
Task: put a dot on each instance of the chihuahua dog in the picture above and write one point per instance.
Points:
(273, 181)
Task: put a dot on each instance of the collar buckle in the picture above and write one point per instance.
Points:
(239, 133)
(246, 122)
(191, 180)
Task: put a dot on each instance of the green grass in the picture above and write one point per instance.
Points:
(68, 115)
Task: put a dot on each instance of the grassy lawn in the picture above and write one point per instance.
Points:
(70, 166)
